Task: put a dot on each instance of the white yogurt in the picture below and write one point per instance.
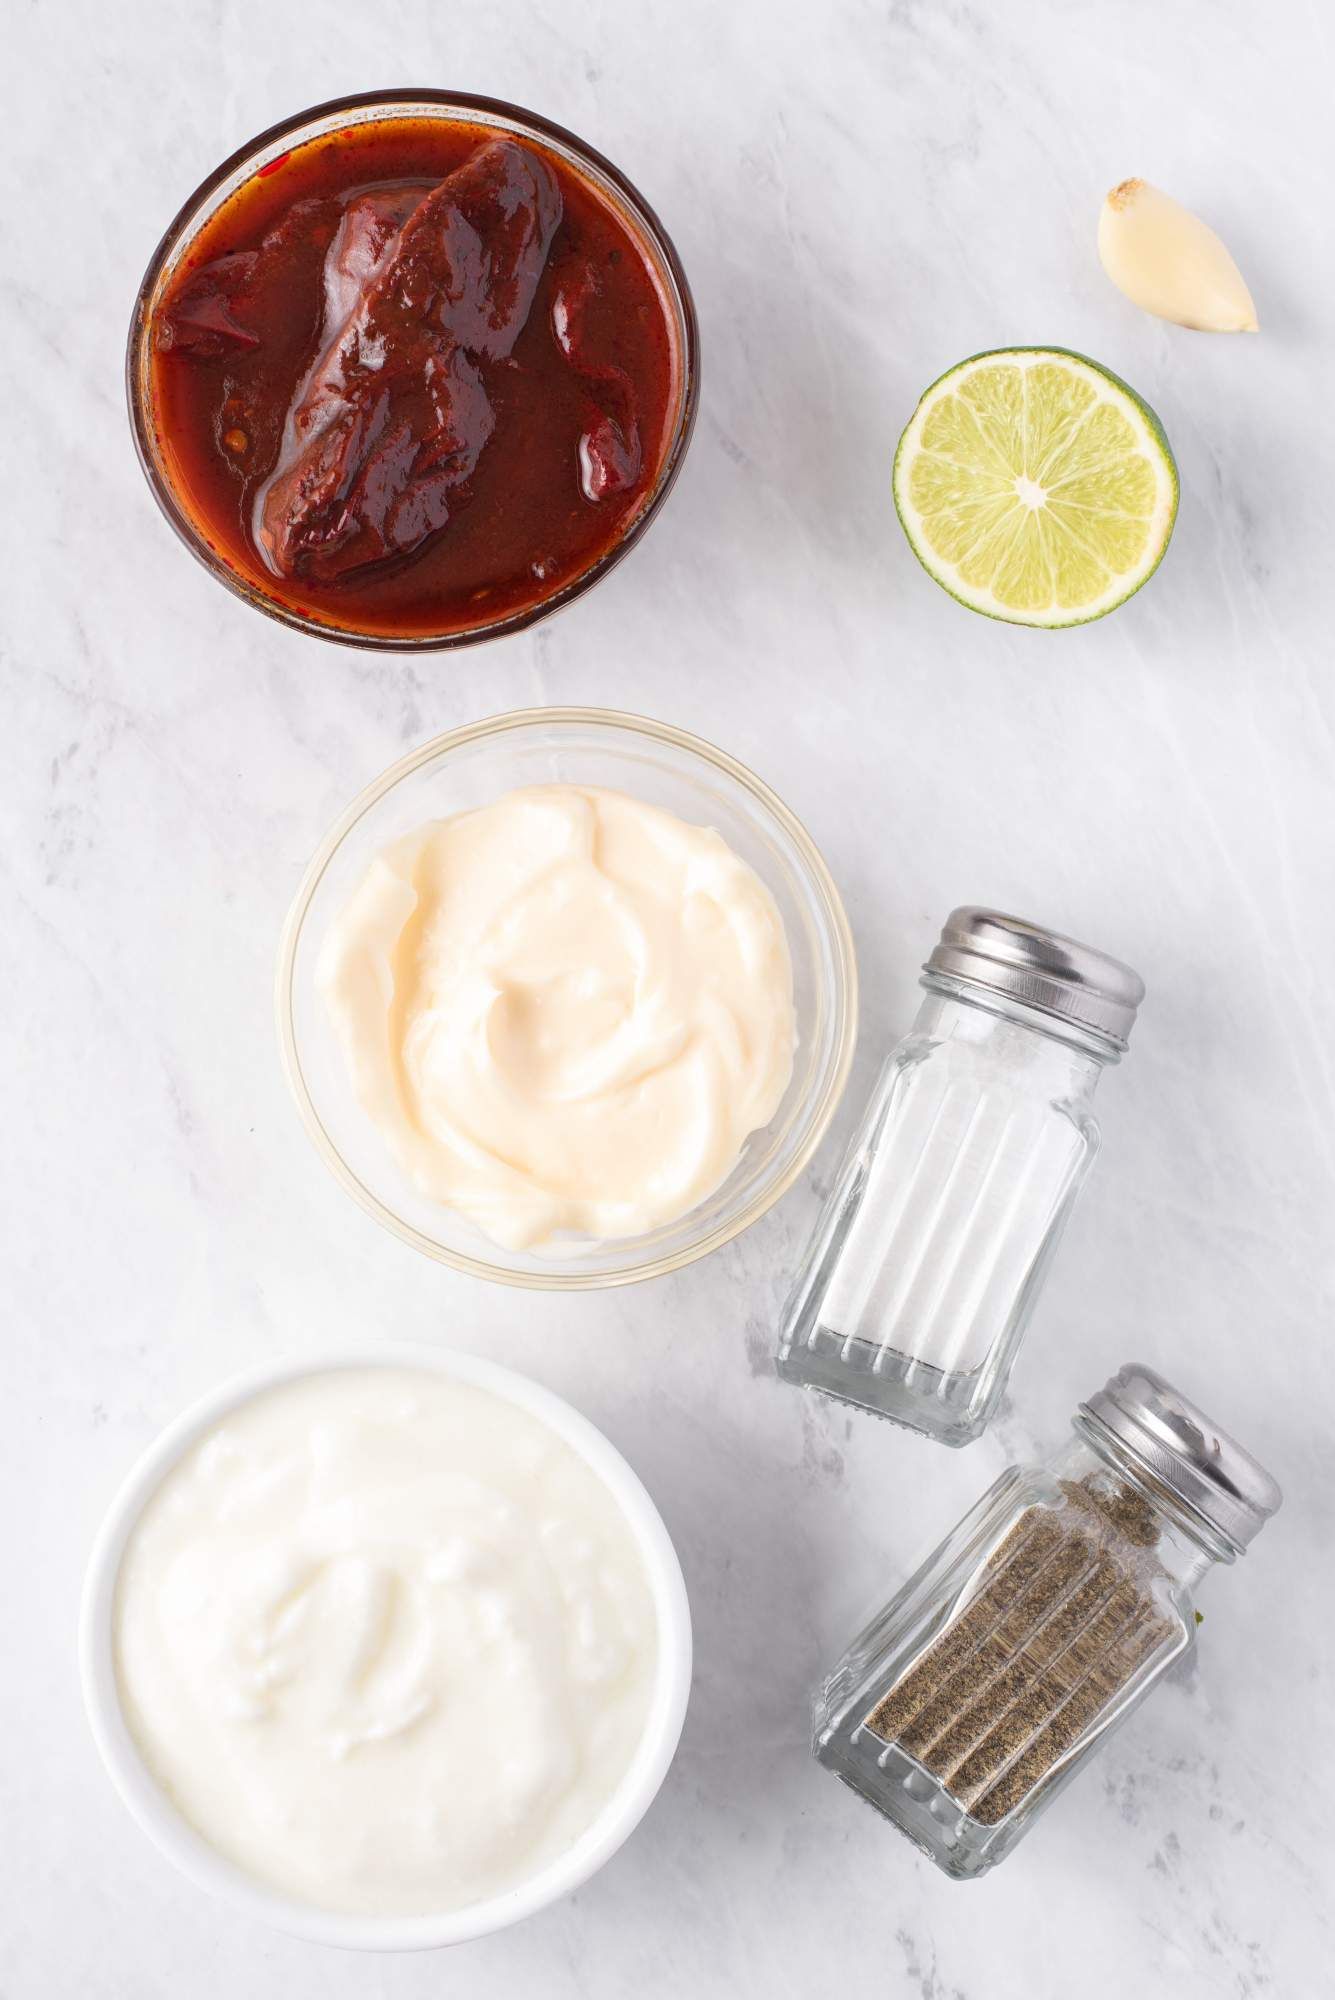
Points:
(566, 1011)
(385, 1640)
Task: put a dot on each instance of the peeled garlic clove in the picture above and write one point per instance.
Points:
(1168, 261)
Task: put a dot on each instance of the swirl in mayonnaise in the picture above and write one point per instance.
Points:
(566, 1011)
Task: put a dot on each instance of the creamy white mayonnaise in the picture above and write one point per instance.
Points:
(566, 1010)
(386, 1641)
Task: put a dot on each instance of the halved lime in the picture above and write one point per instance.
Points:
(1035, 486)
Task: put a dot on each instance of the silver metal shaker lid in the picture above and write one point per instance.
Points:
(1041, 969)
(1164, 1434)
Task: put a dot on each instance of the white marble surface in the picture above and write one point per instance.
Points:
(861, 194)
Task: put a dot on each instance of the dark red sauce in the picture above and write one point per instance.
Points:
(414, 378)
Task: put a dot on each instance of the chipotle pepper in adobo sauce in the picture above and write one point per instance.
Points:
(414, 378)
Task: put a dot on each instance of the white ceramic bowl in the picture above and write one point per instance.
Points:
(682, 774)
(207, 1868)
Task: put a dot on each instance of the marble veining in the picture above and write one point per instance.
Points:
(862, 194)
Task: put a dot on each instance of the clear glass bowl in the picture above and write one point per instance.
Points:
(667, 768)
(259, 155)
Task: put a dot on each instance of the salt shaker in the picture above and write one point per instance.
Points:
(1040, 1623)
(931, 1251)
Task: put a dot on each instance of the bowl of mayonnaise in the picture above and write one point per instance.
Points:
(567, 998)
(389, 1649)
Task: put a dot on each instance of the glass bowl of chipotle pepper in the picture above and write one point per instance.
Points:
(412, 369)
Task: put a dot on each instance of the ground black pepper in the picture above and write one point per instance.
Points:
(1065, 1617)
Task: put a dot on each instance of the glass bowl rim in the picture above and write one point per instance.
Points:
(844, 992)
(543, 129)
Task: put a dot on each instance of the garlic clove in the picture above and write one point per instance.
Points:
(1170, 262)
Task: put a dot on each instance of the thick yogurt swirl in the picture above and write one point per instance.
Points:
(386, 1640)
(566, 1010)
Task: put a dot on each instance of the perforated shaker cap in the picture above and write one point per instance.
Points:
(1041, 969)
(1167, 1436)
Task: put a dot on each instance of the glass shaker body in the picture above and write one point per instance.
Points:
(1031, 1633)
(933, 1246)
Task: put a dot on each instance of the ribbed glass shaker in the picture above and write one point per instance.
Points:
(1040, 1623)
(930, 1253)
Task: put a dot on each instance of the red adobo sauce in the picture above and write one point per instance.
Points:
(414, 378)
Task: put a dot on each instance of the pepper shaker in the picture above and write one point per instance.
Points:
(1040, 1623)
(931, 1251)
